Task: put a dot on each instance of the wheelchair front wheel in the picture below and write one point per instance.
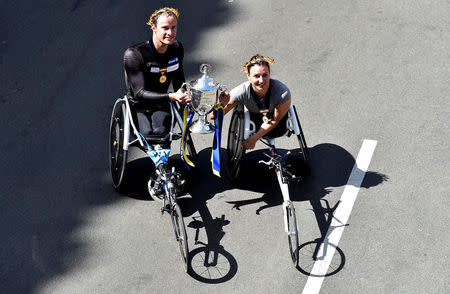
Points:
(292, 233)
(235, 151)
(180, 234)
(117, 155)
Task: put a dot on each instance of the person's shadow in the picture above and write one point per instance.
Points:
(330, 167)
(209, 263)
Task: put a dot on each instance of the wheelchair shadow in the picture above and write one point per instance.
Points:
(138, 173)
(330, 167)
(210, 263)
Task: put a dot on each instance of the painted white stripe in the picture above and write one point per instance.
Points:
(340, 218)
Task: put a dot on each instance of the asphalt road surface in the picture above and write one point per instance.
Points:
(377, 70)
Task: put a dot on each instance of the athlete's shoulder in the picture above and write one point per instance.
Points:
(135, 50)
(279, 89)
(176, 47)
(176, 44)
(139, 46)
(240, 90)
(279, 84)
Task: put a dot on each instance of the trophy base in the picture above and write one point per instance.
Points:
(202, 127)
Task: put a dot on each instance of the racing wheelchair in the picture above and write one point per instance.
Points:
(166, 183)
(241, 128)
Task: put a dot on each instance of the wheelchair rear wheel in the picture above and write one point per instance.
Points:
(301, 139)
(117, 155)
(235, 151)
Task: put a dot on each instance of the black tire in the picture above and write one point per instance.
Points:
(301, 139)
(235, 151)
(185, 175)
(180, 234)
(292, 233)
(190, 149)
(117, 155)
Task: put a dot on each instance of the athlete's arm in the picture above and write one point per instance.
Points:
(279, 112)
(226, 103)
(133, 64)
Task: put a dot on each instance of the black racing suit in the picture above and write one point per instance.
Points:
(148, 75)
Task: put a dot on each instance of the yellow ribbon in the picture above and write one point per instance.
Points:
(183, 138)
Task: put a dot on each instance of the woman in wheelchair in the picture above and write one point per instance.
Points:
(267, 100)
(150, 67)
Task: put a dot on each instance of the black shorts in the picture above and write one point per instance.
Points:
(154, 120)
(278, 131)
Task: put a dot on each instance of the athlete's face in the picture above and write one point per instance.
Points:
(165, 30)
(259, 76)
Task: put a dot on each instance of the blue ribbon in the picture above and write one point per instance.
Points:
(215, 153)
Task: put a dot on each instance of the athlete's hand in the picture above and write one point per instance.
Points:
(181, 96)
(224, 98)
(250, 142)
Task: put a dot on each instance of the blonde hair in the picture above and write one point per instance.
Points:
(153, 19)
(257, 60)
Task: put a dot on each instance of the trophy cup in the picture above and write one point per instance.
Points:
(204, 93)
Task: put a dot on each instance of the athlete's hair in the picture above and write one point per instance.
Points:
(257, 60)
(153, 19)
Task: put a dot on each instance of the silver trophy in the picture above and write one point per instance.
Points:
(204, 93)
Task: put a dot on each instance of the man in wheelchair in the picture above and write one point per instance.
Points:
(266, 99)
(150, 67)
(146, 116)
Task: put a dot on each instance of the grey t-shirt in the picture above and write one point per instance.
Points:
(242, 95)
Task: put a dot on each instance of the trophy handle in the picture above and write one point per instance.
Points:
(222, 88)
(185, 86)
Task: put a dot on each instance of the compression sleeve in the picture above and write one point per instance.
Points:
(133, 66)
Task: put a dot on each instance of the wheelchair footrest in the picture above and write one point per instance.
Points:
(157, 139)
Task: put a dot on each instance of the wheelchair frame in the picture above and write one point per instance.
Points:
(123, 126)
(241, 127)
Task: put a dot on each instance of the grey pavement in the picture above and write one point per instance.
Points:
(357, 70)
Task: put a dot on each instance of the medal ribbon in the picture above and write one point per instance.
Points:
(187, 117)
(215, 152)
(266, 100)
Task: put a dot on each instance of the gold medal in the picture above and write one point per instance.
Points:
(163, 78)
(264, 112)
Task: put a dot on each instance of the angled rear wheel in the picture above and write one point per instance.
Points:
(117, 155)
(301, 139)
(235, 151)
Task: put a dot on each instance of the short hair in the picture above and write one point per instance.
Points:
(257, 60)
(153, 19)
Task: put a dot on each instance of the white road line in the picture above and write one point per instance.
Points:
(340, 218)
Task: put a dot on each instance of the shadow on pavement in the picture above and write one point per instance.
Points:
(330, 167)
(210, 263)
(62, 71)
